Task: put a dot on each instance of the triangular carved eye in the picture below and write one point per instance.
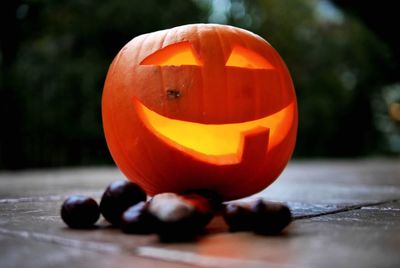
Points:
(173, 55)
(245, 58)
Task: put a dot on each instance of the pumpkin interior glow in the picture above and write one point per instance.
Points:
(177, 54)
(209, 141)
(183, 54)
(245, 58)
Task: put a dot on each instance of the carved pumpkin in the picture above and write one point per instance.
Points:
(200, 106)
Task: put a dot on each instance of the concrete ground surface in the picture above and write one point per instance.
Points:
(347, 214)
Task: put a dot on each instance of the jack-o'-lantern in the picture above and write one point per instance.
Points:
(200, 106)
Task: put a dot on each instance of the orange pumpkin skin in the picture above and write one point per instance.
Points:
(209, 93)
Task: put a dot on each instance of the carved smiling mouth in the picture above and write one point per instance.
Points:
(220, 144)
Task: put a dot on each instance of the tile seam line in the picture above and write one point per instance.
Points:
(345, 209)
(43, 198)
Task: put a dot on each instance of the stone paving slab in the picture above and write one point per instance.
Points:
(23, 252)
(347, 215)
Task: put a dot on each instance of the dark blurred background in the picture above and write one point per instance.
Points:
(344, 58)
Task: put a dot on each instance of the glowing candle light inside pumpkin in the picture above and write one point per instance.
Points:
(216, 139)
(230, 126)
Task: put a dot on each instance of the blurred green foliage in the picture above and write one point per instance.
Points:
(55, 55)
(51, 88)
(337, 65)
